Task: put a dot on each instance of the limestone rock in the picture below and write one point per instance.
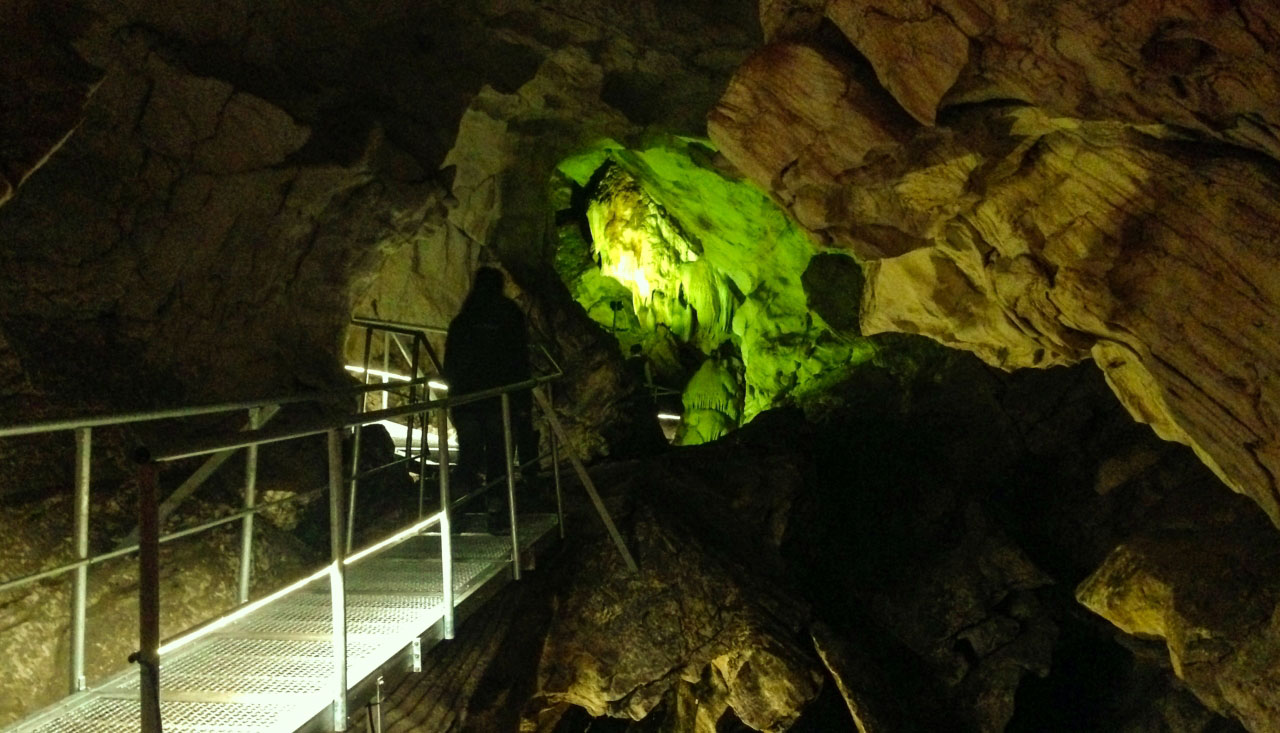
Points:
(1193, 63)
(198, 578)
(44, 87)
(858, 679)
(704, 613)
(1104, 223)
(1213, 598)
(618, 643)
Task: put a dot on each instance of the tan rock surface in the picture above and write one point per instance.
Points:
(1106, 222)
(1213, 597)
(197, 582)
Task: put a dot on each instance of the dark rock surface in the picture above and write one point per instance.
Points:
(708, 613)
(197, 581)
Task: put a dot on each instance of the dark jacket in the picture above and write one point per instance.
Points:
(487, 345)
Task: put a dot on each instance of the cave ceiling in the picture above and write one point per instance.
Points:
(1042, 184)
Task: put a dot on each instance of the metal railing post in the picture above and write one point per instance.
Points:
(446, 536)
(422, 444)
(148, 656)
(386, 367)
(355, 443)
(555, 462)
(511, 483)
(80, 602)
(337, 586)
(412, 420)
(250, 500)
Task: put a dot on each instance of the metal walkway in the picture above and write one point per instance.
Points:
(270, 667)
(299, 658)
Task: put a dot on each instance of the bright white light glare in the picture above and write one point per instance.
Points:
(245, 610)
(377, 373)
(240, 612)
(433, 519)
(436, 384)
(668, 416)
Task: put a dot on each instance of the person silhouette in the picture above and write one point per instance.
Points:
(487, 347)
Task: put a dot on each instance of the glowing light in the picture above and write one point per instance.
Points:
(241, 612)
(247, 609)
(668, 416)
(433, 384)
(414, 529)
(378, 373)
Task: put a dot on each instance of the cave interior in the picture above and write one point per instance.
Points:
(927, 354)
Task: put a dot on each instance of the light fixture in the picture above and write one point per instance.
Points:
(377, 373)
(668, 416)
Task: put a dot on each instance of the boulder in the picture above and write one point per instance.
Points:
(1213, 598)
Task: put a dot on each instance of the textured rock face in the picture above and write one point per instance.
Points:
(702, 629)
(246, 178)
(198, 580)
(196, 238)
(44, 86)
(1045, 185)
(1213, 596)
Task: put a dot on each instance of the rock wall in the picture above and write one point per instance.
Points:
(1045, 185)
(709, 633)
(246, 177)
(197, 581)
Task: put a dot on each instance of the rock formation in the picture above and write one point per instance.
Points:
(1170, 586)
(1045, 186)
(704, 631)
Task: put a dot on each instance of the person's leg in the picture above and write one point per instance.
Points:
(495, 467)
(469, 425)
(524, 436)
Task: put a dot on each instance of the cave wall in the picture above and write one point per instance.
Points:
(231, 183)
(1043, 185)
(197, 197)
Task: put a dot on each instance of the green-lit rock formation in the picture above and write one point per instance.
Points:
(683, 258)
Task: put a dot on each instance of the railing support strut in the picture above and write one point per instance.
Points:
(511, 484)
(148, 656)
(587, 483)
(250, 500)
(79, 611)
(337, 586)
(446, 532)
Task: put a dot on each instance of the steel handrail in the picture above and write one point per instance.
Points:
(263, 436)
(25, 580)
(400, 326)
(151, 539)
(125, 418)
(417, 330)
(203, 629)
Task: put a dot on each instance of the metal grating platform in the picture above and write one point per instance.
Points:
(273, 669)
